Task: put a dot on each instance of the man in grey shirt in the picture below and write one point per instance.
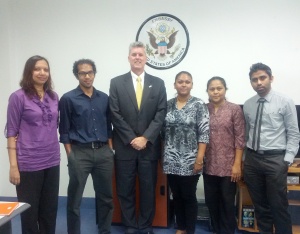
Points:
(272, 143)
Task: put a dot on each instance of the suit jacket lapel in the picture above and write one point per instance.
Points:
(130, 89)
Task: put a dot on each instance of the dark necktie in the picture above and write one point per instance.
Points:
(257, 125)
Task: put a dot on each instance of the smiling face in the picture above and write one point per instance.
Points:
(183, 84)
(261, 82)
(216, 92)
(86, 76)
(137, 59)
(40, 73)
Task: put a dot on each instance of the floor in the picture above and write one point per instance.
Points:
(89, 225)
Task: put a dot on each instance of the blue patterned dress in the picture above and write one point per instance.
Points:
(183, 130)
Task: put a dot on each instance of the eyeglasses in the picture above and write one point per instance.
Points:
(83, 74)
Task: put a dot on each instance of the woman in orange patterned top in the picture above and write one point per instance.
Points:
(223, 157)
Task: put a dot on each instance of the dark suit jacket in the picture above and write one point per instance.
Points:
(129, 122)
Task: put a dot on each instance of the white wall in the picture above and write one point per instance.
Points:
(226, 37)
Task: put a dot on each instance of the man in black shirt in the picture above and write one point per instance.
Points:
(85, 130)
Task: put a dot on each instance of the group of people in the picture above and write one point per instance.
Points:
(193, 138)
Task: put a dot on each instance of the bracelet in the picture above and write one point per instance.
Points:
(13, 148)
(199, 163)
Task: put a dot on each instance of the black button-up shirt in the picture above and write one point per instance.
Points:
(84, 119)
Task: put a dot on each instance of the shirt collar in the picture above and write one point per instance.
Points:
(211, 105)
(268, 97)
(134, 76)
(80, 92)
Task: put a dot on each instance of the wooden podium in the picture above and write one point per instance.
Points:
(161, 216)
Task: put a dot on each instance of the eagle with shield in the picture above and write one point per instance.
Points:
(162, 44)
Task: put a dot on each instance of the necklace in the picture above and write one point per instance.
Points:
(183, 100)
(41, 94)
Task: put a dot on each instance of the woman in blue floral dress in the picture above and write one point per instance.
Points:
(185, 133)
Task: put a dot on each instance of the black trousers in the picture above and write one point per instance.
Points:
(40, 190)
(126, 174)
(82, 162)
(266, 179)
(219, 198)
(185, 201)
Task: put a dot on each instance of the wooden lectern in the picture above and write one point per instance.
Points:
(162, 199)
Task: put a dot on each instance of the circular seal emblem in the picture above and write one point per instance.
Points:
(166, 39)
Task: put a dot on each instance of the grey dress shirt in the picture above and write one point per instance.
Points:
(279, 129)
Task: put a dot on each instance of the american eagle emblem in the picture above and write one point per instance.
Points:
(162, 44)
(166, 40)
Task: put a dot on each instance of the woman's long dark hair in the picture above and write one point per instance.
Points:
(27, 83)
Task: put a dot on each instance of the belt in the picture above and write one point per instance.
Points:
(93, 145)
(266, 152)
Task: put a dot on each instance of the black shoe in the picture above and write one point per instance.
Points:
(150, 232)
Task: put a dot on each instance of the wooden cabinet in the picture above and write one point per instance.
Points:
(161, 215)
(244, 200)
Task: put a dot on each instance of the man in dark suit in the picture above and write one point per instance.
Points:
(138, 105)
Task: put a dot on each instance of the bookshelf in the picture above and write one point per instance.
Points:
(245, 200)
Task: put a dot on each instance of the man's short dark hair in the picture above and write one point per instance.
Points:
(83, 61)
(260, 66)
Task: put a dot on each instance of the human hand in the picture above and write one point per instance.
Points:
(139, 143)
(236, 173)
(14, 176)
(197, 167)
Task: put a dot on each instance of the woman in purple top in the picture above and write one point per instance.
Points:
(33, 148)
(223, 156)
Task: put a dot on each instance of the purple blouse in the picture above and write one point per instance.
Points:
(227, 133)
(35, 123)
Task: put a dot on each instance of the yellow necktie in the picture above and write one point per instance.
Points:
(139, 91)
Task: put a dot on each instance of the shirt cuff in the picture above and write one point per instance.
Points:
(289, 157)
(64, 138)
